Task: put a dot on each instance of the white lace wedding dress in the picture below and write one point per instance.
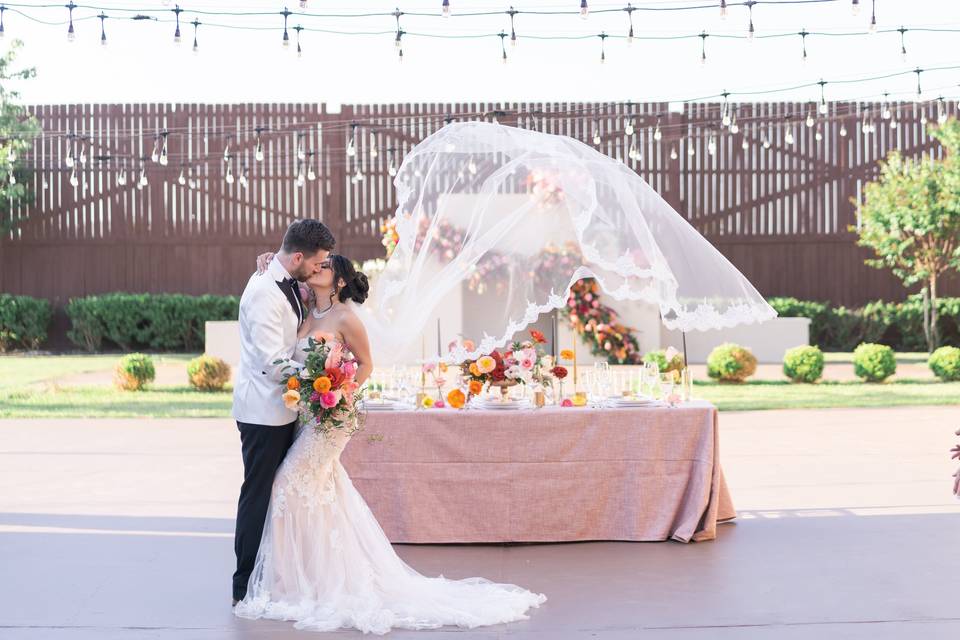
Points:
(325, 563)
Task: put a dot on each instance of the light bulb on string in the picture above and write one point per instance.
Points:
(472, 167)
(143, 176)
(445, 9)
(163, 152)
(182, 180)
(725, 111)
(301, 152)
(299, 29)
(358, 176)
(903, 45)
(301, 177)
(810, 121)
(74, 180)
(398, 41)
(855, 7)
(630, 9)
(745, 144)
(673, 153)
(83, 155)
(873, 17)
(192, 183)
(155, 154)
(843, 131)
(632, 154)
(750, 30)
(511, 12)
(286, 34)
(391, 169)
(691, 151)
(941, 111)
(657, 135)
(68, 160)
(723, 9)
(885, 106)
(603, 49)
(628, 128)
(734, 127)
(596, 133)
(176, 34)
(712, 145)
(803, 41)
(122, 176)
(258, 150)
(103, 31)
(823, 109)
(311, 174)
(818, 136)
(2, 31)
(196, 26)
(923, 118)
(351, 147)
(584, 9)
(766, 142)
(303, 4)
(788, 136)
(893, 123)
(703, 47)
(46, 185)
(71, 34)
(228, 177)
(226, 152)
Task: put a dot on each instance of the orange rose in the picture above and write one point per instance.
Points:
(475, 370)
(290, 399)
(443, 367)
(322, 384)
(456, 399)
(293, 383)
(566, 354)
(476, 387)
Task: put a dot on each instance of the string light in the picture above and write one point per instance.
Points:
(603, 53)
(703, 47)
(122, 176)
(941, 111)
(74, 180)
(873, 16)
(918, 71)
(712, 145)
(803, 41)
(301, 176)
(810, 121)
(472, 167)
(843, 131)
(885, 108)
(373, 145)
(258, 149)
(788, 135)
(725, 110)
(71, 34)
(628, 125)
(228, 176)
(163, 151)
(657, 135)
(2, 32)
(596, 133)
(766, 142)
(301, 153)
(673, 153)
(103, 31)
(398, 43)
(445, 9)
(358, 176)
(513, 33)
(155, 154)
(286, 34)
(503, 47)
(855, 7)
(226, 152)
(903, 45)
(823, 108)
(630, 9)
(351, 147)
(303, 4)
(584, 10)
(691, 151)
(311, 174)
(143, 176)
(196, 25)
(745, 144)
(298, 29)
(83, 156)
(176, 34)
(818, 136)
(750, 30)
(734, 127)
(182, 180)
(723, 9)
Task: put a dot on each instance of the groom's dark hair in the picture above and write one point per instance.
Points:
(307, 237)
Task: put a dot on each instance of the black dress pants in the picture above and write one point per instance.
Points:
(264, 447)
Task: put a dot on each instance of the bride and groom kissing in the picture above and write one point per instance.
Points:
(308, 548)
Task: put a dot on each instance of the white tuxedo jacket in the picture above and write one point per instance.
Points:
(268, 332)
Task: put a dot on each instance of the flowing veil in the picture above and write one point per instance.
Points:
(510, 219)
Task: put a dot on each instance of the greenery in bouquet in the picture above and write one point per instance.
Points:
(325, 391)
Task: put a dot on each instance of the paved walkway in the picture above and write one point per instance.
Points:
(847, 529)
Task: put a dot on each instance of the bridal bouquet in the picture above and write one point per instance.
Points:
(324, 390)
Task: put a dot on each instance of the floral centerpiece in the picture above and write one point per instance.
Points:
(325, 390)
(524, 363)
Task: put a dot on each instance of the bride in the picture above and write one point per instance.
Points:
(324, 562)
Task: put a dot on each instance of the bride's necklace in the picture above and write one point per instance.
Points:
(320, 314)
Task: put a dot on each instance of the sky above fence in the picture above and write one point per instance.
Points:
(141, 63)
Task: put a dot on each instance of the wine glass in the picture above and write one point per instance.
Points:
(667, 383)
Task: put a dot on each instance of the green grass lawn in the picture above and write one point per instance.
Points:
(32, 387)
(757, 395)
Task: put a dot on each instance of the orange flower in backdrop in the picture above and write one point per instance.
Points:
(443, 367)
(566, 354)
(456, 399)
(293, 383)
(322, 384)
(486, 364)
(537, 336)
(475, 370)
(476, 387)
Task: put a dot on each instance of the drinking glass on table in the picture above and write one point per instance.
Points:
(667, 385)
(651, 375)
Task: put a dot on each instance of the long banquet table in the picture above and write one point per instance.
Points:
(550, 475)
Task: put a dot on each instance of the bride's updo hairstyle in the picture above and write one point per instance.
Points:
(357, 286)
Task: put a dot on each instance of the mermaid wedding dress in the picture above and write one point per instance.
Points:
(325, 563)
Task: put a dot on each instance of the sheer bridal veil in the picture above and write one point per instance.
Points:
(505, 220)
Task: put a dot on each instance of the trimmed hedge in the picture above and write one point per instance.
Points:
(134, 371)
(945, 363)
(23, 322)
(731, 363)
(898, 324)
(154, 322)
(874, 362)
(803, 364)
(208, 373)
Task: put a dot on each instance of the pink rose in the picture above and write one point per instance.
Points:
(595, 304)
(526, 363)
(567, 402)
(350, 368)
(330, 399)
(428, 367)
(439, 404)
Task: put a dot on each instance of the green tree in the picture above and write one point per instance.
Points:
(17, 131)
(910, 217)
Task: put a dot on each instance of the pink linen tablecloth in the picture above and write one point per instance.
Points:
(551, 475)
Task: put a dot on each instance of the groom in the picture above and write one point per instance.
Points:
(270, 314)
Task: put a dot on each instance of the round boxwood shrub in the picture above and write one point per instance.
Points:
(208, 373)
(803, 364)
(731, 363)
(874, 362)
(945, 363)
(134, 371)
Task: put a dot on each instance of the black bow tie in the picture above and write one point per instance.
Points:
(286, 282)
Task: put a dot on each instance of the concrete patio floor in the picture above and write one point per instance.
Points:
(847, 529)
